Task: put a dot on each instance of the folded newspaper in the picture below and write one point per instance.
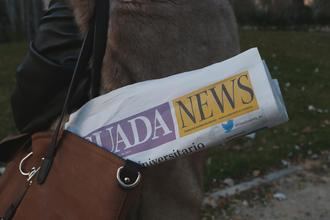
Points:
(158, 120)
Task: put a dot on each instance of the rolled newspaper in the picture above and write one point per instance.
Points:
(158, 120)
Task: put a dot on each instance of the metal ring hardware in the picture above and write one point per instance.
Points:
(33, 171)
(21, 164)
(126, 183)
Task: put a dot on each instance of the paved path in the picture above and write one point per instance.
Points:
(307, 197)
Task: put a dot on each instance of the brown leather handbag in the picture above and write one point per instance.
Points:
(84, 182)
(59, 175)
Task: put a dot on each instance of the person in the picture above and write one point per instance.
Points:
(147, 41)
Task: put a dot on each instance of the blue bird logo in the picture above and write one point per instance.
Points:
(228, 126)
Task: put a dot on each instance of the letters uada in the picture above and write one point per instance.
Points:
(158, 120)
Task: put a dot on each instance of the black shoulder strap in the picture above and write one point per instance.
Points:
(102, 11)
(94, 44)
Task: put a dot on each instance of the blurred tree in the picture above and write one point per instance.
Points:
(322, 11)
(283, 11)
(21, 16)
(13, 14)
(3, 22)
(289, 12)
(245, 10)
(302, 13)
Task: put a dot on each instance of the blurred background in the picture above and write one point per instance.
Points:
(293, 36)
(19, 18)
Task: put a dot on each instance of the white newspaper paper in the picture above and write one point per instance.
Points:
(159, 120)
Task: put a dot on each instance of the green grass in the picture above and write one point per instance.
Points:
(298, 58)
(10, 56)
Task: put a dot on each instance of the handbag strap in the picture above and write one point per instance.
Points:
(93, 48)
(102, 14)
